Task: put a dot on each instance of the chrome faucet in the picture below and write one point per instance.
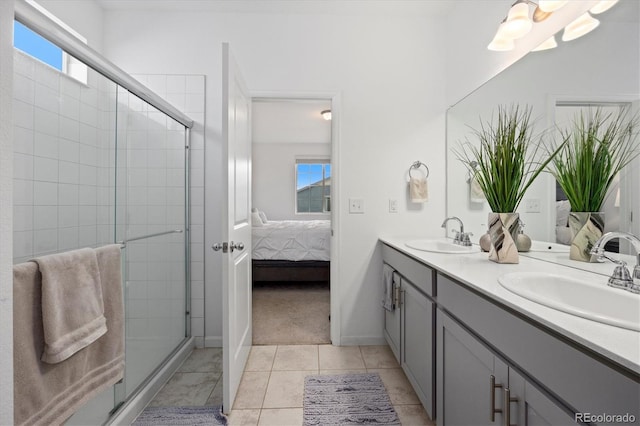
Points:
(620, 277)
(461, 237)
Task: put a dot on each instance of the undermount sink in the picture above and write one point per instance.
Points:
(545, 246)
(593, 300)
(440, 245)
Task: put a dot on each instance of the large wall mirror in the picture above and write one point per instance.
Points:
(601, 68)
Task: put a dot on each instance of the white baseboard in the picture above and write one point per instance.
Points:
(132, 408)
(213, 341)
(362, 341)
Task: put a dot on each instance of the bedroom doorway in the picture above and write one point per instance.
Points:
(291, 202)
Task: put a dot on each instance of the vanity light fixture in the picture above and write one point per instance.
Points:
(602, 6)
(518, 23)
(581, 26)
(549, 43)
(326, 114)
(551, 5)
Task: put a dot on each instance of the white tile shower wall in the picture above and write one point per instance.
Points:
(61, 178)
(187, 93)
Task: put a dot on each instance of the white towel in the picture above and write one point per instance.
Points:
(387, 287)
(476, 194)
(418, 190)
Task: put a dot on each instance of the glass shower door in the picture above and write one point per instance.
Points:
(151, 219)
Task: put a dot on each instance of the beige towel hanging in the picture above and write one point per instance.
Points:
(418, 190)
(476, 194)
(47, 394)
(72, 306)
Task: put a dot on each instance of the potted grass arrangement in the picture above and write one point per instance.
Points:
(507, 160)
(595, 148)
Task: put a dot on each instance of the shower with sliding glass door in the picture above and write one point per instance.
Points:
(100, 162)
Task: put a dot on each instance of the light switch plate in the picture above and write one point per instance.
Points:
(356, 205)
(393, 205)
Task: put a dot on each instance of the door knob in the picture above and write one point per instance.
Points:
(226, 247)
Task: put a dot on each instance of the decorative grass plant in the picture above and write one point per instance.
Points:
(594, 150)
(508, 157)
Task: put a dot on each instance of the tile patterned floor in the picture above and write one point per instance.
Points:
(272, 386)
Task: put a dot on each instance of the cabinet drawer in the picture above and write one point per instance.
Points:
(421, 276)
(582, 380)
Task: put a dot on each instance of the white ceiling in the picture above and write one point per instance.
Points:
(290, 121)
(427, 8)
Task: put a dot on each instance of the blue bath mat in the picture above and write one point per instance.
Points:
(347, 399)
(181, 416)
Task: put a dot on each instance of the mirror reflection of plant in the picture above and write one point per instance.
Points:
(508, 157)
(595, 148)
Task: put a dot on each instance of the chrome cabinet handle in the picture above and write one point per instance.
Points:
(492, 400)
(507, 407)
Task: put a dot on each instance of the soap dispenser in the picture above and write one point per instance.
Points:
(485, 242)
(523, 242)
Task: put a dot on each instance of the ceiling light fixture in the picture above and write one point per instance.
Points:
(326, 114)
(581, 26)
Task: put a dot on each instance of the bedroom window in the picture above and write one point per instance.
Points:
(313, 186)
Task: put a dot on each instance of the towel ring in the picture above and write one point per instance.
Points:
(417, 165)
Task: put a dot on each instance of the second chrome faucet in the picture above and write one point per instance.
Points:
(621, 278)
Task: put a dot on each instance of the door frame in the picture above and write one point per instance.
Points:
(334, 285)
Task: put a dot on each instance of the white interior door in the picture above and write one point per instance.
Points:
(236, 265)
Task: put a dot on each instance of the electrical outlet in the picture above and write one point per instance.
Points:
(393, 205)
(356, 205)
(532, 205)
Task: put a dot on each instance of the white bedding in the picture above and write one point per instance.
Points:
(292, 240)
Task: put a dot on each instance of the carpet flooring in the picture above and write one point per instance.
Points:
(291, 313)
(181, 416)
(347, 399)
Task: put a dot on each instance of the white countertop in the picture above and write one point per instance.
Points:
(620, 345)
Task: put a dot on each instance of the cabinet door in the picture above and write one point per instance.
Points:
(465, 368)
(529, 406)
(418, 326)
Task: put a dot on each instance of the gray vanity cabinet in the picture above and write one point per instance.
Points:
(410, 329)
(470, 378)
(530, 407)
(474, 384)
(418, 351)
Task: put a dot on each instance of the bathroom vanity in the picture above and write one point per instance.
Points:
(477, 353)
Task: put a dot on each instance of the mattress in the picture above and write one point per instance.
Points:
(292, 240)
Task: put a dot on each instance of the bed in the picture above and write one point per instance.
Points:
(291, 250)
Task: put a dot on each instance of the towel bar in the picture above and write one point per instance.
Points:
(143, 237)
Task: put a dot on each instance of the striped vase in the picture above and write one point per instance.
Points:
(503, 229)
(586, 228)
